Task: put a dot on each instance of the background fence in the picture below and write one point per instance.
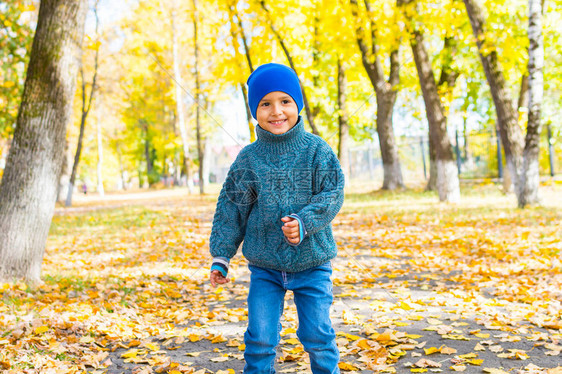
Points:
(478, 155)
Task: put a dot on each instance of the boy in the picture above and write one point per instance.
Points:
(280, 196)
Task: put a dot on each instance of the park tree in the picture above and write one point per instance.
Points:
(29, 185)
(238, 35)
(445, 88)
(147, 88)
(386, 90)
(198, 103)
(447, 176)
(343, 121)
(87, 97)
(158, 84)
(274, 29)
(349, 103)
(530, 173)
(521, 154)
(178, 82)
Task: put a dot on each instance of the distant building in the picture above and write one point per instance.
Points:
(220, 158)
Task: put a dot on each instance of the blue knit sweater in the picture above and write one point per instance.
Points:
(293, 174)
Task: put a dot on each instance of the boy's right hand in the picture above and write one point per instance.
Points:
(218, 278)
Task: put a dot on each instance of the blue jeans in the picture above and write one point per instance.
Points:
(312, 290)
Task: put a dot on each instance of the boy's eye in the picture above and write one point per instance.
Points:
(286, 101)
(264, 104)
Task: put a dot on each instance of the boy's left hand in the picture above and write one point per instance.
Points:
(291, 229)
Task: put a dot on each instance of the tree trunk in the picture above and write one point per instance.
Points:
(147, 155)
(447, 176)
(307, 109)
(86, 106)
(510, 133)
(524, 92)
(343, 144)
(507, 183)
(77, 154)
(179, 103)
(62, 190)
(245, 43)
(386, 97)
(251, 126)
(100, 156)
(206, 170)
(447, 81)
(121, 168)
(432, 181)
(389, 151)
(236, 45)
(29, 186)
(200, 150)
(316, 51)
(449, 75)
(528, 194)
(522, 102)
(465, 136)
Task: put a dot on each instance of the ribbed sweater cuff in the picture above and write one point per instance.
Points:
(220, 264)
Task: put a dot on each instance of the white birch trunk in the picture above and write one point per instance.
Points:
(100, 156)
(447, 181)
(206, 162)
(179, 100)
(529, 193)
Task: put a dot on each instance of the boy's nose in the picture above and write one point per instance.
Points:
(277, 109)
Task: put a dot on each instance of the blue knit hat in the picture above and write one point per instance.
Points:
(270, 78)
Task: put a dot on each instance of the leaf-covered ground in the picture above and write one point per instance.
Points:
(419, 287)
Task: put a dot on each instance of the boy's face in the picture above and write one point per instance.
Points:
(277, 112)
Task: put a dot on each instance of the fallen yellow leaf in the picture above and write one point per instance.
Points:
(153, 347)
(347, 366)
(40, 330)
(447, 350)
(431, 350)
(494, 371)
(475, 362)
(292, 341)
(86, 339)
(220, 359)
(458, 367)
(402, 324)
(405, 306)
(130, 353)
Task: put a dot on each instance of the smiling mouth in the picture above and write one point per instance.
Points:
(277, 123)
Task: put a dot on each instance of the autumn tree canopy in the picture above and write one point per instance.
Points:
(161, 108)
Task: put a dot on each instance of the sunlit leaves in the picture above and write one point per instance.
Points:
(16, 33)
(132, 286)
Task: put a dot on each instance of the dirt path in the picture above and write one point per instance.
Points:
(419, 287)
(394, 310)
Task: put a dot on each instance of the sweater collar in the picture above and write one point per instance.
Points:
(281, 143)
